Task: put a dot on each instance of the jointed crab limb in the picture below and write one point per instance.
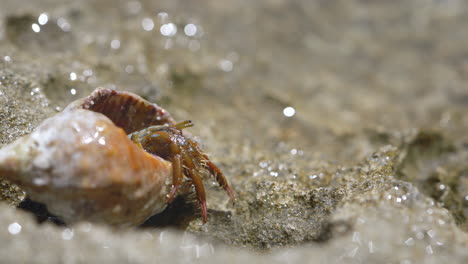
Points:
(176, 177)
(168, 142)
(213, 169)
(198, 184)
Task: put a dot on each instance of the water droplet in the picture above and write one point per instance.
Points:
(115, 44)
(168, 30)
(36, 28)
(163, 16)
(63, 24)
(73, 76)
(409, 241)
(289, 111)
(431, 233)
(102, 141)
(190, 30)
(226, 65)
(67, 234)
(43, 19)
(87, 139)
(147, 24)
(429, 250)
(356, 238)
(88, 72)
(420, 235)
(14, 228)
(263, 164)
(40, 181)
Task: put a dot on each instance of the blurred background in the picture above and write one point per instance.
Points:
(341, 125)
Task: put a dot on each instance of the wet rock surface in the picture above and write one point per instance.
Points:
(341, 125)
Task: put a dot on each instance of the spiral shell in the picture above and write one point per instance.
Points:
(82, 166)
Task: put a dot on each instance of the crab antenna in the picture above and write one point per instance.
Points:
(184, 124)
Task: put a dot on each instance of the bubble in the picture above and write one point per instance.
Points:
(14, 228)
(289, 111)
(73, 91)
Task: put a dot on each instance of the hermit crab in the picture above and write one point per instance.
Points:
(111, 157)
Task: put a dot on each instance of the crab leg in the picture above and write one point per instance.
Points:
(176, 177)
(215, 171)
(197, 182)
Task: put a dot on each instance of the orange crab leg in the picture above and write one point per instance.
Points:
(213, 169)
(197, 182)
(176, 177)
